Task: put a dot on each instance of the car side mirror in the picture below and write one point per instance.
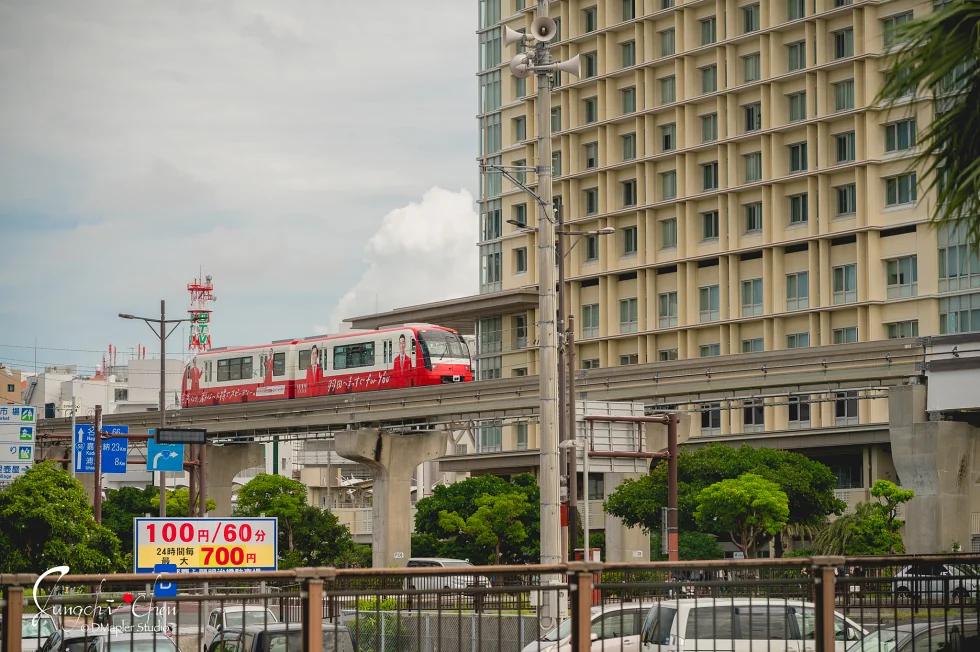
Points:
(852, 634)
(219, 627)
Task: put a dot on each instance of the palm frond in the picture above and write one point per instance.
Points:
(938, 62)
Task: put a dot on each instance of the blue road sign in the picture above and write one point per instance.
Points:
(165, 589)
(164, 457)
(114, 450)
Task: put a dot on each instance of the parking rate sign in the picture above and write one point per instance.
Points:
(206, 544)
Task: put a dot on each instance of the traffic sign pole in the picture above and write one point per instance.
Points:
(73, 451)
(98, 463)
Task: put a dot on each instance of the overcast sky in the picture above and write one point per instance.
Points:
(316, 157)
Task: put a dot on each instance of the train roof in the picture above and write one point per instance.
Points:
(275, 344)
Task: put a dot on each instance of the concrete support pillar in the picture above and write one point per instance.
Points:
(622, 542)
(223, 464)
(936, 460)
(392, 458)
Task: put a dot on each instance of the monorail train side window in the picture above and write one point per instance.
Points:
(207, 371)
(223, 370)
(279, 364)
(304, 360)
(247, 367)
(353, 355)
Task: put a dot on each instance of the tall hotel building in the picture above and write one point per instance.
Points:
(761, 200)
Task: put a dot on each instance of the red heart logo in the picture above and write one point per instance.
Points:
(128, 598)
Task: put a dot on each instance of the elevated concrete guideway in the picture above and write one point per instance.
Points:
(814, 370)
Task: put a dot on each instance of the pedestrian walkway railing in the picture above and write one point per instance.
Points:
(823, 604)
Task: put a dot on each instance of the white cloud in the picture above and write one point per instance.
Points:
(422, 252)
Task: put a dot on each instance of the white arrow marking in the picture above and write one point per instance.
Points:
(156, 457)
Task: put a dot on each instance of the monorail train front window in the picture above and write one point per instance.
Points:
(444, 344)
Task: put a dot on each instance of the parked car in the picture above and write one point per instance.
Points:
(103, 639)
(954, 635)
(34, 630)
(615, 628)
(235, 616)
(739, 625)
(434, 582)
(933, 579)
(279, 637)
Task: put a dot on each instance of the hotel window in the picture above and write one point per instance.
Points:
(520, 260)
(590, 64)
(753, 415)
(709, 128)
(709, 176)
(891, 24)
(629, 54)
(753, 217)
(591, 155)
(590, 320)
(900, 135)
(520, 128)
(668, 137)
(845, 147)
(591, 248)
(709, 31)
(710, 418)
(797, 340)
(845, 284)
(667, 42)
(753, 116)
(629, 146)
(798, 291)
(959, 314)
(799, 413)
(708, 298)
(668, 230)
(520, 214)
(751, 67)
(556, 119)
(709, 350)
(755, 345)
(629, 99)
(844, 43)
(752, 297)
(521, 436)
(847, 335)
(629, 9)
(798, 209)
(666, 355)
(750, 19)
(846, 408)
(709, 225)
(591, 19)
(591, 110)
(669, 185)
(667, 310)
(900, 190)
(556, 163)
(797, 106)
(797, 157)
(709, 79)
(629, 240)
(902, 329)
(846, 199)
(794, 9)
(959, 264)
(628, 359)
(753, 167)
(667, 95)
(591, 201)
(796, 55)
(628, 315)
(591, 363)
(902, 276)
(844, 95)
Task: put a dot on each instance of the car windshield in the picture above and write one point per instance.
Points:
(235, 618)
(959, 569)
(443, 344)
(37, 628)
(883, 640)
(562, 631)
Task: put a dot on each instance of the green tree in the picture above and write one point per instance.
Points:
(460, 498)
(938, 56)
(123, 505)
(320, 540)
(496, 521)
(276, 496)
(48, 521)
(861, 532)
(745, 508)
(890, 497)
(692, 546)
(178, 502)
(808, 485)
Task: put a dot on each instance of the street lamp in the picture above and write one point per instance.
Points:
(163, 335)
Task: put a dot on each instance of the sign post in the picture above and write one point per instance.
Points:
(17, 431)
(206, 544)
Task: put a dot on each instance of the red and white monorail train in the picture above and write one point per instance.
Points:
(407, 356)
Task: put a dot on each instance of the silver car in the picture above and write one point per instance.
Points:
(615, 628)
(34, 630)
(435, 582)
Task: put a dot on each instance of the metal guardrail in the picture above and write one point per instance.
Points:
(821, 605)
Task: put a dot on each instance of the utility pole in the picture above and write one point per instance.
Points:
(74, 448)
(572, 452)
(98, 464)
(568, 532)
(163, 335)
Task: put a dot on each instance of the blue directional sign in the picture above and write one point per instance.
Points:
(164, 457)
(165, 589)
(114, 450)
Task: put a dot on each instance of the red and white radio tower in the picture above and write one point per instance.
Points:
(200, 314)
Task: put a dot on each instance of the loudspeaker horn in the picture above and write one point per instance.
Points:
(573, 66)
(510, 36)
(544, 29)
(518, 66)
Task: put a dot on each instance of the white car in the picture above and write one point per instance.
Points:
(615, 628)
(236, 616)
(934, 579)
(435, 582)
(739, 625)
